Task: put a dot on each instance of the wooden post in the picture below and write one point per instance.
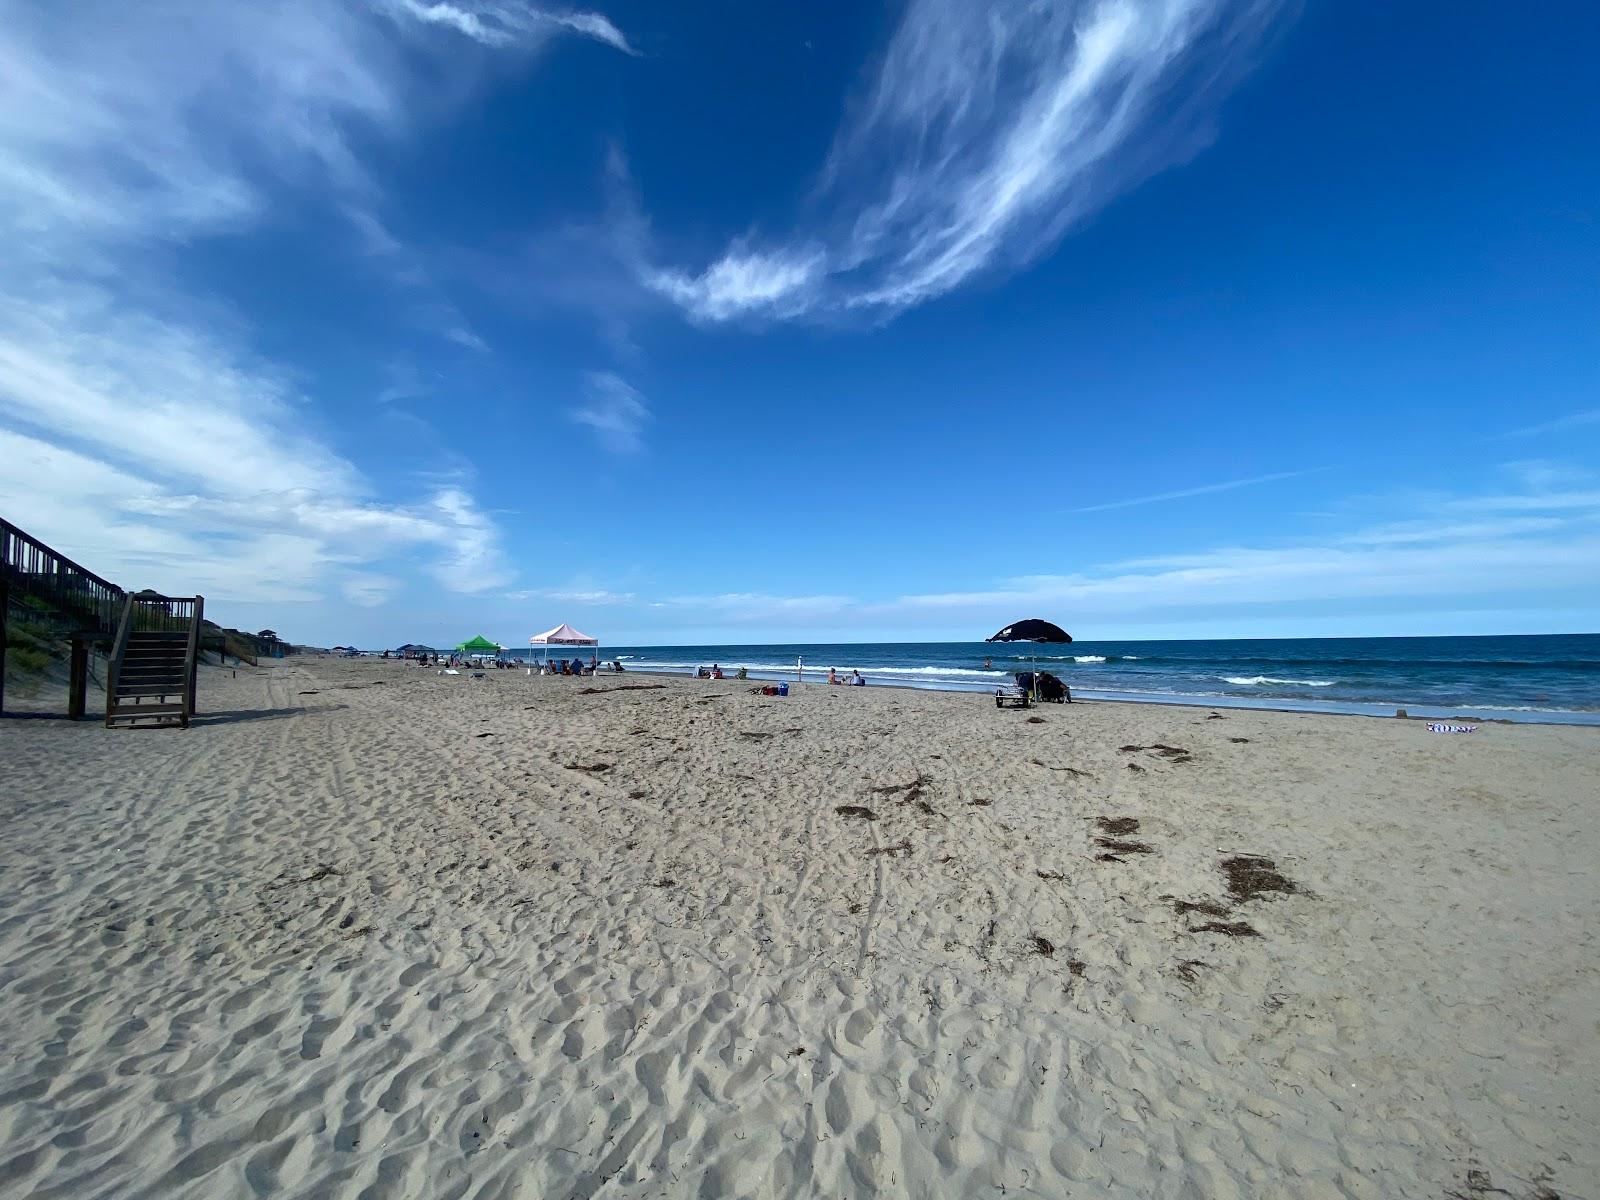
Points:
(78, 680)
(194, 655)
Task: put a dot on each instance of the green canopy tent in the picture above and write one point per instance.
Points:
(478, 645)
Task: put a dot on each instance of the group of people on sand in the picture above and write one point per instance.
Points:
(716, 672)
(577, 666)
(855, 679)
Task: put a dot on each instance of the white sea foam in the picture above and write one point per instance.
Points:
(1080, 658)
(1257, 680)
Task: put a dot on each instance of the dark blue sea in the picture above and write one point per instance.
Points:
(1549, 678)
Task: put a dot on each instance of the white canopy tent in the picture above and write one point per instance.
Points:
(562, 635)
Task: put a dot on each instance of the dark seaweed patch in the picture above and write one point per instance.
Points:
(1206, 908)
(1122, 846)
(903, 849)
(1250, 876)
(1230, 928)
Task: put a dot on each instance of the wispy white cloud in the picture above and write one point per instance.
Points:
(163, 459)
(127, 128)
(163, 121)
(506, 23)
(367, 590)
(614, 410)
(431, 309)
(585, 596)
(989, 130)
(1577, 420)
(778, 283)
(1456, 554)
(137, 427)
(1185, 493)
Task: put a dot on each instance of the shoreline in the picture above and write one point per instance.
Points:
(1568, 718)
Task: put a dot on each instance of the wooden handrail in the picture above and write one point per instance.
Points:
(9, 533)
(119, 647)
(36, 569)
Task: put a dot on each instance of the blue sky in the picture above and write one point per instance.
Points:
(391, 320)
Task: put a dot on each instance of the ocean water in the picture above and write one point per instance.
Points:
(1547, 678)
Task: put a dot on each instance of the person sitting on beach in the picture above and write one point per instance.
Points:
(857, 679)
(833, 675)
(716, 671)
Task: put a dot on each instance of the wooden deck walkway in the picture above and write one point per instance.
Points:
(152, 642)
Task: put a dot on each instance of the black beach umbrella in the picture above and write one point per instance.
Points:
(1032, 630)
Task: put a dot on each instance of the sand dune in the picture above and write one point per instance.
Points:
(373, 932)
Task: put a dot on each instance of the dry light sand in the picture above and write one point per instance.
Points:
(368, 931)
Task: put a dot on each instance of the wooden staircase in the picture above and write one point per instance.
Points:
(154, 660)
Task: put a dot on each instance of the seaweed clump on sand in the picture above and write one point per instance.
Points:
(1250, 876)
(1117, 826)
(1123, 846)
(856, 810)
(909, 793)
(1206, 908)
(1230, 928)
(902, 849)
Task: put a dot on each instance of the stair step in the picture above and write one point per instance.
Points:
(145, 710)
(152, 667)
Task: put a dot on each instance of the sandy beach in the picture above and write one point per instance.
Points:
(369, 931)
